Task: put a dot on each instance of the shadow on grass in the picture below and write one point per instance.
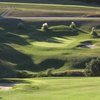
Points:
(12, 59)
(13, 81)
(50, 63)
(9, 32)
(50, 35)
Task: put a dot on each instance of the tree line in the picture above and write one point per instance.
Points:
(90, 1)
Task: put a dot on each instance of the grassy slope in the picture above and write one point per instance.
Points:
(37, 10)
(55, 88)
(35, 51)
(32, 50)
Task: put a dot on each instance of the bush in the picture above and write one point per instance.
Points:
(44, 27)
(70, 73)
(93, 33)
(72, 25)
(26, 74)
(50, 72)
(93, 68)
(21, 26)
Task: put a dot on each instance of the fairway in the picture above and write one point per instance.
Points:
(60, 42)
(54, 88)
(46, 10)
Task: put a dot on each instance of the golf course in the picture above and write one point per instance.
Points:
(52, 88)
(49, 50)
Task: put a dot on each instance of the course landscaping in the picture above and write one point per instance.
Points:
(49, 50)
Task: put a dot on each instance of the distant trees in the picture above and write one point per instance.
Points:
(93, 68)
(90, 1)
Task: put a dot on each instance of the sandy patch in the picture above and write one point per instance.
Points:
(92, 46)
(6, 86)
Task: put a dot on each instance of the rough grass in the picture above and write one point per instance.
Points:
(54, 88)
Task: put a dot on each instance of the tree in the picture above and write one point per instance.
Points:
(93, 68)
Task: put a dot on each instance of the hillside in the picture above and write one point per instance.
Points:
(35, 51)
(26, 48)
(46, 10)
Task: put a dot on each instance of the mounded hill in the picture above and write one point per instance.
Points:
(26, 49)
(30, 50)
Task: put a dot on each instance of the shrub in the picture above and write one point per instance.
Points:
(72, 25)
(93, 68)
(42, 74)
(70, 73)
(21, 26)
(93, 33)
(50, 72)
(44, 27)
(25, 74)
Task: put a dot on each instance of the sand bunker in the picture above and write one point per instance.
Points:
(92, 46)
(6, 86)
(88, 44)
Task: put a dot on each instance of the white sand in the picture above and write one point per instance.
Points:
(6, 86)
(92, 46)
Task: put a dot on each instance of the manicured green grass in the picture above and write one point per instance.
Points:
(36, 10)
(34, 50)
(55, 88)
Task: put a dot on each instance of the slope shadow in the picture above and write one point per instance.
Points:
(21, 61)
(9, 33)
(10, 26)
(50, 63)
(49, 36)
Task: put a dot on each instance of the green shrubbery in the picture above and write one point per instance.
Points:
(93, 33)
(25, 74)
(93, 67)
(44, 27)
(72, 25)
(21, 26)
